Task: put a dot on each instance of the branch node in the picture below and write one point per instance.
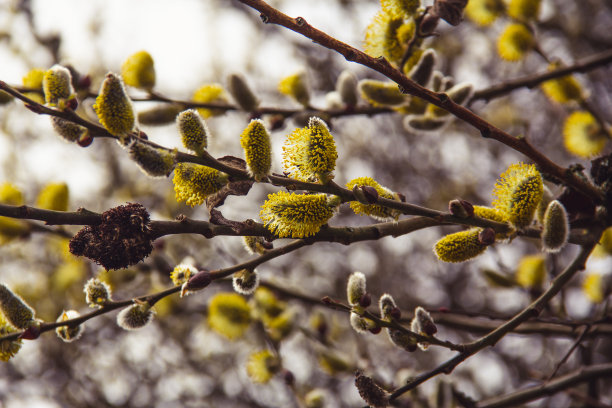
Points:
(264, 18)
(300, 21)
(486, 132)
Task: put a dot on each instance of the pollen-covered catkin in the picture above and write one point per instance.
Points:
(255, 140)
(193, 130)
(114, 107)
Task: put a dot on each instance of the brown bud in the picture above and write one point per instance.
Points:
(461, 208)
(85, 140)
(32, 332)
(365, 300)
(84, 82)
(486, 236)
(428, 24)
(450, 11)
(376, 330)
(396, 313)
(198, 281)
(72, 104)
(288, 377)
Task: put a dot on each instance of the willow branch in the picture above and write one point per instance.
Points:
(271, 15)
(153, 298)
(494, 336)
(537, 326)
(531, 81)
(344, 235)
(569, 380)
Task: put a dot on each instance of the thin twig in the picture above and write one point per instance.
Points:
(531, 81)
(579, 340)
(549, 388)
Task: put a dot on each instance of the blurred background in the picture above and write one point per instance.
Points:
(178, 360)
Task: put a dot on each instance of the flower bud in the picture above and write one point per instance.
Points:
(386, 304)
(262, 366)
(85, 140)
(355, 288)
(459, 94)
(423, 323)
(379, 93)
(193, 130)
(402, 339)
(484, 12)
(182, 273)
(296, 86)
(555, 231)
(197, 282)
(255, 140)
(365, 194)
(515, 41)
(547, 197)
(114, 107)
(582, 135)
(229, 314)
(69, 333)
(15, 311)
(422, 123)
(367, 190)
(450, 11)
(461, 208)
(518, 193)
(365, 300)
(524, 10)
(136, 316)
(97, 293)
(210, 94)
(256, 245)
(422, 71)
(193, 183)
(531, 271)
(371, 392)
(562, 90)
(315, 398)
(139, 71)
(159, 115)
(34, 79)
(242, 94)
(346, 86)
(296, 215)
(71, 132)
(245, 281)
(309, 154)
(153, 161)
(54, 196)
(8, 348)
(460, 246)
(487, 236)
(57, 86)
(361, 324)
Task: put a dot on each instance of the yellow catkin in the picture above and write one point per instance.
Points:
(460, 246)
(514, 42)
(229, 314)
(582, 135)
(295, 215)
(138, 70)
(255, 140)
(518, 193)
(531, 271)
